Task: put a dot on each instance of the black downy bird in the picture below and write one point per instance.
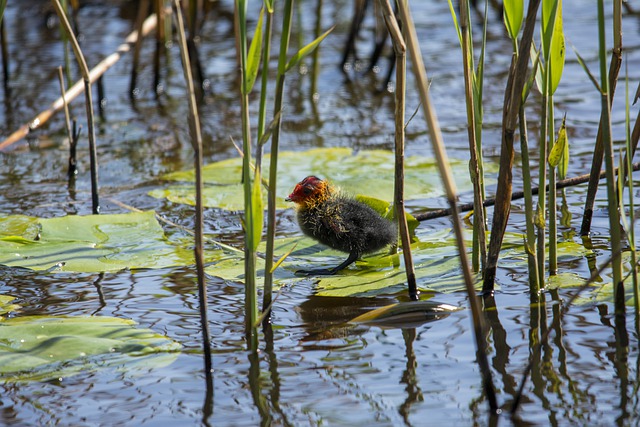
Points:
(339, 221)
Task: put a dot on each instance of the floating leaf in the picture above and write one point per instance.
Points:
(369, 173)
(41, 347)
(406, 314)
(93, 243)
(6, 305)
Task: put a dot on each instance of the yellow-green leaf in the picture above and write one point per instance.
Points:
(253, 58)
(513, 14)
(559, 154)
(557, 53)
(306, 50)
(257, 209)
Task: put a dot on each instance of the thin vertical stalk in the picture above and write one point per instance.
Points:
(400, 49)
(542, 197)
(143, 10)
(273, 159)
(596, 164)
(626, 176)
(447, 178)
(511, 109)
(315, 68)
(530, 245)
(88, 104)
(196, 141)
(553, 196)
(264, 82)
(479, 254)
(251, 295)
(612, 196)
(3, 46)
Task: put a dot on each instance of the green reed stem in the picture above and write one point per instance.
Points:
(530, 241)
(473, 93)
(553, 195)
(614, 219)
(264, 82)
(251, 295)
(273, 159)
(631, 237)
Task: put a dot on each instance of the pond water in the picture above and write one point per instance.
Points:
(312, 369)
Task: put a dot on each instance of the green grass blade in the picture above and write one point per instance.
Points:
(593, 78)
(253, 58)
(306, 50)
(455, 21)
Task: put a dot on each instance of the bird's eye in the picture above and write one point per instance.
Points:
(307, 190)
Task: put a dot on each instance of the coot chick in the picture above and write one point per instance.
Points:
(339, 221)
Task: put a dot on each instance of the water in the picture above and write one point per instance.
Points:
(313, 370)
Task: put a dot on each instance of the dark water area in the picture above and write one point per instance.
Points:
(314, 370)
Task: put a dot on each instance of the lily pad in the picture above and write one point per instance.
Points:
(93, 243)
(369, 173)
(37, 348)
(435, 258)
(6, 305)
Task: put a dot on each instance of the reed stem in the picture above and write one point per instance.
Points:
(196, 142)
(447, 178)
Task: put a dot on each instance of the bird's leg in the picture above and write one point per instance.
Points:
(353, 256)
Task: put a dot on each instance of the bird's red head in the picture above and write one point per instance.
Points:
(310, 190)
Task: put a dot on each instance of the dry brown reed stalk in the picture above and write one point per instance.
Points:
(143, 10)
(400, 50)
(435, 136)
(511, 109)
(84, 70)
(196, 142)
(78, 87)
(598, 153)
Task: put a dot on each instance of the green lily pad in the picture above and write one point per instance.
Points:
(6, 305)
(93, 243)
(369, 173)
(37, 348)
(435, 258)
